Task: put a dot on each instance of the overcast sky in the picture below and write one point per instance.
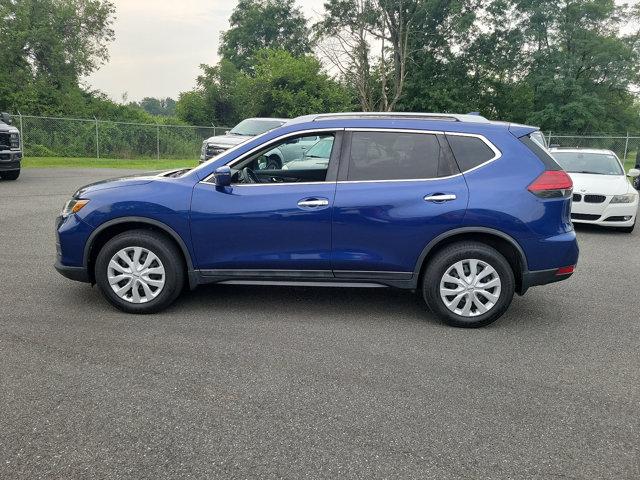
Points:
(160, 44)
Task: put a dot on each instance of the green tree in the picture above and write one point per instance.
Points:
(351, 28)
(582, 69)
(164, 107)
(260, 24)
(288, 86)
(561, 64)
(47, 46)
(221, 97)
(192, 108)
(280, 85)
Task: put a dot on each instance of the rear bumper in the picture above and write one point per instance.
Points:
(541, 277)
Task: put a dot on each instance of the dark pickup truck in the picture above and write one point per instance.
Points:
(10, 152)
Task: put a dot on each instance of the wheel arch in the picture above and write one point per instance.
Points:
(106, 231)
(497, 239)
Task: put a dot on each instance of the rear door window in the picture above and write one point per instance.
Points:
(393, 156)
(470, 152)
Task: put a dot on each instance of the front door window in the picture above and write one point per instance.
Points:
(299, 159)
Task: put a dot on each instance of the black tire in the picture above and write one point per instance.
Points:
(12, 175)
(627, 229)
(440, 263)
(273, 163)
(159, 245)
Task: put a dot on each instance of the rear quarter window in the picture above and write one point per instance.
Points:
(542, 154)
(469, 152)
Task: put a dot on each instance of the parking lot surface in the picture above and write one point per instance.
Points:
(266, 382)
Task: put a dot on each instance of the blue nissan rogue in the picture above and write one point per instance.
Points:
(465, 210)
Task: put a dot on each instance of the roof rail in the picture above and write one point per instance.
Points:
(451, 117)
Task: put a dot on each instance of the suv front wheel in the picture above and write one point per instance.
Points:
(468, 284)
(140, 271)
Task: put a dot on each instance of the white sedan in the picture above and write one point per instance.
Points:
(602, 194)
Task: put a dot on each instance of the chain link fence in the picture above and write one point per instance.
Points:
(93, 138)
(625, 146)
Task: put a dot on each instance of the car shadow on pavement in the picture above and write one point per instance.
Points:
(377, 305)
(597, 229)
(303, 302)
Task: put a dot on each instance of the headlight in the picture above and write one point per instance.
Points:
(73, 206)
(627, 198)
(15, 141)
(215, 150)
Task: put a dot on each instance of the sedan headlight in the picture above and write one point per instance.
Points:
(626, 198)
(74, 206)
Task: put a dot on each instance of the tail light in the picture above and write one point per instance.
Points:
(552, 184)
(565, 270)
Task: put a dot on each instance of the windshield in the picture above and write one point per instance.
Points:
(322, 149)
(595, 163)
(253, 127)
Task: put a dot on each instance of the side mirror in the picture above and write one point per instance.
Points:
(634, 173)
(6, 118)
(223, 176)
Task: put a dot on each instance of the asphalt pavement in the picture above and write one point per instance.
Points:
(278, 382)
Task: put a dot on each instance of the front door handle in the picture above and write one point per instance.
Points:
(440, 197)
(313, 202)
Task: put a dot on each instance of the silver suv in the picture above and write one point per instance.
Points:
(242, 132)
(10, 153)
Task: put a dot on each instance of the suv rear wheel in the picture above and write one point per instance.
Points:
(140, 271)
(468, 284)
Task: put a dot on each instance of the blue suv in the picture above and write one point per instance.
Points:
(462, 209)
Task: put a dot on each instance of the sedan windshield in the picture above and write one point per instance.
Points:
(595, 163)
(253, 127)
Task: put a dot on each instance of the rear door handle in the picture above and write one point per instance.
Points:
(313, 202)
(440, 197)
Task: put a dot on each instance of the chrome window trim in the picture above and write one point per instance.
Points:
(271, 142)
(402, 180)
(494, 149)
(237, 185)
(496, 152)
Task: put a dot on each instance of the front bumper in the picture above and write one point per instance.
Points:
(10, 160)
(79, 274)
(71, 237)
(606, 214)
